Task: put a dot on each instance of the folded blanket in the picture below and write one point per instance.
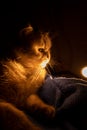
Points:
(69, 97)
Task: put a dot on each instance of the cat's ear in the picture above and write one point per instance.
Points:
(26, 31)
(25, 34)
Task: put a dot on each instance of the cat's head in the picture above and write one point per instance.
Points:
(35, 47)
(32, 54)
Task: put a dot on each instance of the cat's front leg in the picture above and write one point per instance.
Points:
(36, 106)
(12, 118)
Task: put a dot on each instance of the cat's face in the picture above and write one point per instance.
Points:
(41, 51)
(32, 56)
(37, 49)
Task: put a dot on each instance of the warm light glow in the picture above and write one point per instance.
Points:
(16, 70)
(44, 63)
(84, 72)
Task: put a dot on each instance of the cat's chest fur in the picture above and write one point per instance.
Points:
(18, 82)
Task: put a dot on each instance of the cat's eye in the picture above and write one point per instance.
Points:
(41, 49)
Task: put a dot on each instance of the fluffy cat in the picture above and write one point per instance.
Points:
(20, 79)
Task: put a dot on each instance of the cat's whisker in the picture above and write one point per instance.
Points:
(48, 70)
(36, 75)
(39, 73)
(51, 66)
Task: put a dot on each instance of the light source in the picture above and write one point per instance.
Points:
(84, 72)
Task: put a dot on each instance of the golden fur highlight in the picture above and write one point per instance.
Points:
(21, 79)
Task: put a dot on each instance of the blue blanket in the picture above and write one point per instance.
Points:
(69, 97)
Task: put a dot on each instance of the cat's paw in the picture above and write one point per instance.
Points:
(15, 119)
(38, 108)
(49, 111)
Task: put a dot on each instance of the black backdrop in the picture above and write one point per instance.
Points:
(67, 20)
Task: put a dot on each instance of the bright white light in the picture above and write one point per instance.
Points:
(44, 63)
(84, 72)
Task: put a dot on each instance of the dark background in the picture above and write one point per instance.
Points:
(67, 20)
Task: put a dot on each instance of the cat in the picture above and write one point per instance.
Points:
(21, 78)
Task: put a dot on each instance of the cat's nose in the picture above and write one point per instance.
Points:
(47, 55)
